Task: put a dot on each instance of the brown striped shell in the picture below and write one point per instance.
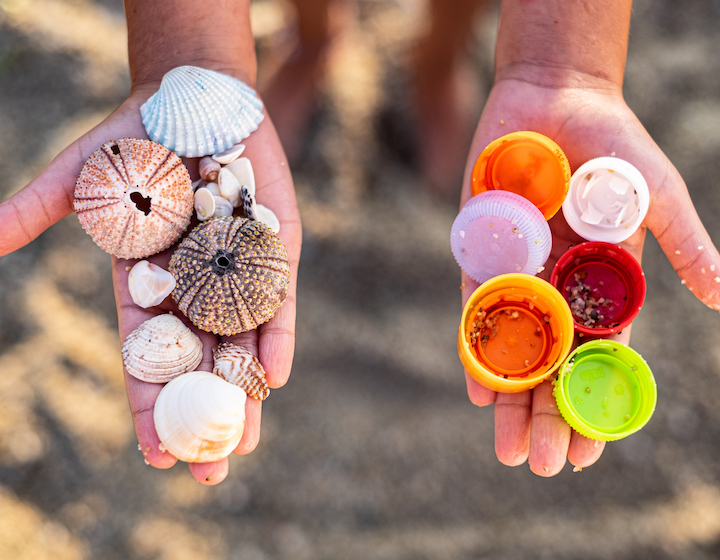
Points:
(232, 275)
(236, 365)
(134, 197)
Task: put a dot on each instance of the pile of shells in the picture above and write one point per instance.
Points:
(229, 275)
(227, 181)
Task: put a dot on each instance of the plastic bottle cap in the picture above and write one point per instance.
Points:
(526, 163)
(499, 232)
(608, 200)
(514, 332)
(603, 284)
(605, 390)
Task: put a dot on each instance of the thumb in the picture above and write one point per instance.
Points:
(677, 227)
(49, 197)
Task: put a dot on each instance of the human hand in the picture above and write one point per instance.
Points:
(586, 122)
(49, 198)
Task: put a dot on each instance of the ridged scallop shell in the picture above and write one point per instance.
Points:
(199, 417)
(198, 112)
(238, 366)
(149, 284)
(134, 197)
(232, 275)
(161, 349)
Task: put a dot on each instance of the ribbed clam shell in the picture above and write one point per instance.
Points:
(232, 275)
(199, 417)
(236, 365)
(198, 112)
(134, 197)
(161, 349)
(149, 284)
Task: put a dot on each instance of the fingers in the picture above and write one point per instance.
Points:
(583, 451)
(479, 395)
(549, 433)
(512, 427)
(210, 474)
(251, 435)
(674, 221)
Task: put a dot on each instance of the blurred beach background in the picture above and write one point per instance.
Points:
(372, 450)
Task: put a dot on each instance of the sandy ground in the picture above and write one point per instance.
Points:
(372, 450)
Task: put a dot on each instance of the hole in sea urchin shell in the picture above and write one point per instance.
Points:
(222, 262)
(142, 202)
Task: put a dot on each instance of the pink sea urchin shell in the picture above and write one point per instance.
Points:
(232, 275)
(134, 197)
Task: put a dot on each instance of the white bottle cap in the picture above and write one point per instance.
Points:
(607, 200)
(498, 232)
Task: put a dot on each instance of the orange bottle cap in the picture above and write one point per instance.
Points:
(526, 163)
(515, 331)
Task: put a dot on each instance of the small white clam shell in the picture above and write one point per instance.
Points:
(222, 207)
(229, 155)
(149, 284)
(243, 171)
(213, 188)
(204, 204)
(208, 168)
(236, 365)
(265, 215)
(229, 187)
(161, 349)
(200, 417)
(198, 112)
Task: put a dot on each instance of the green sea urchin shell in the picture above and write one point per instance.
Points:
(232, 275)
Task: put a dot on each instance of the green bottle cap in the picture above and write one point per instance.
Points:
(605, 390)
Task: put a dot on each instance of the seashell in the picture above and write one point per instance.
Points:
(160, 349)
(243, 171)
(229, 155)
(134, 197)
(232, 275)
(208, 168)
(149, 284)
(248, 203)
(204, 203)
(268, 217)
(229, 187)
(198, 112)
(236, 365)
(213, 188)
(222, 207)
(198, 184)
(199, 417)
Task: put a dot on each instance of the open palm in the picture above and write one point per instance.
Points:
(49, 198)
(585, 123)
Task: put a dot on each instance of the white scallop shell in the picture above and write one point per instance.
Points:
(200, 417)
(149, 284)
(229, 187)
(161, 349)
(198, 112)
(237, 365)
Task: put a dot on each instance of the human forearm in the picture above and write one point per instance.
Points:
(214, 34)
(563, 43)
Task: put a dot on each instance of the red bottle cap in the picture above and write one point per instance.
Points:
(603, 285)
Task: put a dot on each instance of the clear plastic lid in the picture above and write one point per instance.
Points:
(607, 201)
(499, 232)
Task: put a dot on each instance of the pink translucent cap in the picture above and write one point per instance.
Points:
(607, 200)
(499, 232)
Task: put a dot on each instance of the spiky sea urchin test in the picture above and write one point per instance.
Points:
(134, 197)
(232, 275)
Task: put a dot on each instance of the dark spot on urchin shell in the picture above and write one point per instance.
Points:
(143, 203)
(115, 149)
(222, 262)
